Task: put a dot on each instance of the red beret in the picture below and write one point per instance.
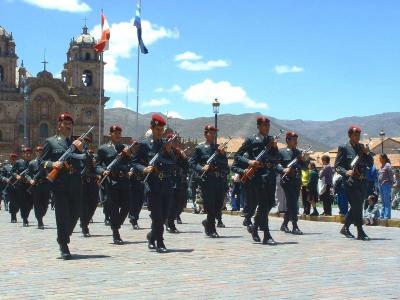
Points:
(262, 119)
(157, 120)
(65, 116)
(115, 128)
(291, 134)
(354, 128)
(208, 128)
(27, 149)
(39, 148)
(13, 155)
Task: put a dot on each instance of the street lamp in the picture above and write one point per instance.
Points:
(215, 106)
(24, 89)
(382, 135)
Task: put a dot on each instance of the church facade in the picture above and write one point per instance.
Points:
(42, 98)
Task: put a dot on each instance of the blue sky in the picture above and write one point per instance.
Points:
(313, 60)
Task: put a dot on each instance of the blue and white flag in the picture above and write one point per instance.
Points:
(138, 24)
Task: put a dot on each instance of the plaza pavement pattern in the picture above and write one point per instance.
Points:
(321, 264)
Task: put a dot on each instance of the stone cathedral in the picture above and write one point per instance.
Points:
(44, 97)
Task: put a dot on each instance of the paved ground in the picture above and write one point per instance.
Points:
(321, 264)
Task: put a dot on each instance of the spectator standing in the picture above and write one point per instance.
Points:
(385, 179)
(396, 189)
(340, 193)
(312, 188)
(305, 174)
(326, 177)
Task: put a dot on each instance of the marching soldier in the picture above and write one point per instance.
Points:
(66, 186)
(178, 200)
(158, 179)
(117, 185)
(212, 182)
(351, 162)
(40, 187)
(136, 197)
(291, 181)
(24, 199)
(9, 191)
(90, 192)
(260, 187)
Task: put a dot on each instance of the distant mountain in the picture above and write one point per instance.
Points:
(323, 135)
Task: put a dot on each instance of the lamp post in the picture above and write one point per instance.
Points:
(215, 106)
(24, 89)
(382, 135)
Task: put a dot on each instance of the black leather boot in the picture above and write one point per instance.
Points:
(361, 235)
(296, 230)
(64, 250)
(254, 234)
(150, 242)
(268, 240)
(285, 228)
(346, 232)
(117, 238)
(161, 247)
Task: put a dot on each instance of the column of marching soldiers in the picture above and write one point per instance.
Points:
(154, 169)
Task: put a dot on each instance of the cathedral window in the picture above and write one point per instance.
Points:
(44, 131)
(21, 130)
(1, 135)
(1, 74)
(87, 78)
(87, 56)
(44, 109)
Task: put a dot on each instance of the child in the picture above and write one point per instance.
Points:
(371, 214)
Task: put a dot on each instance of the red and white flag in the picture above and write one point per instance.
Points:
(102, 45)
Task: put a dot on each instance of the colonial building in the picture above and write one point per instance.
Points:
(77, 92)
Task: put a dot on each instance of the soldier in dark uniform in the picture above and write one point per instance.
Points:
(260, 189)
(158, 181)
(90, 192)
(117, 185)
(24, 199)
(67, 186)
(292, 182)
(212, 183)
(178, 199)
(136, 197)
(40, 187)
(9, 191)
(354, 179)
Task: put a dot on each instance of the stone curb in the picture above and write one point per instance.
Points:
(335, 219)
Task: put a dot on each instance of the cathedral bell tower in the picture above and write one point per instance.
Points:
(82, 69)
(8, 61)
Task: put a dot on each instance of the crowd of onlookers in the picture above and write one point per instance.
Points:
(325, 186)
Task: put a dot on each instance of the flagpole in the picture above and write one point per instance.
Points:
(100, 95)
(137, 90)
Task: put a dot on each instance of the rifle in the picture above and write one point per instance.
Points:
(293, 163)
(249, 172)
(211, 159)
(155, 158)
(36, 176)
(116, 160)
(355, 162)
(21, 175)
(54, 173)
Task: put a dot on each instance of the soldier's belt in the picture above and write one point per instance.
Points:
(163, 175)
(119, 174)
(89, 179)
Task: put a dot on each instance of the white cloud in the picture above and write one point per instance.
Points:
(188, 55)
(203, 66)
(206, 91)
(173, 114)
(123, 42)
(119, 104)
(282, 69)
(73, 6)
(174, 89)
(156, 102)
